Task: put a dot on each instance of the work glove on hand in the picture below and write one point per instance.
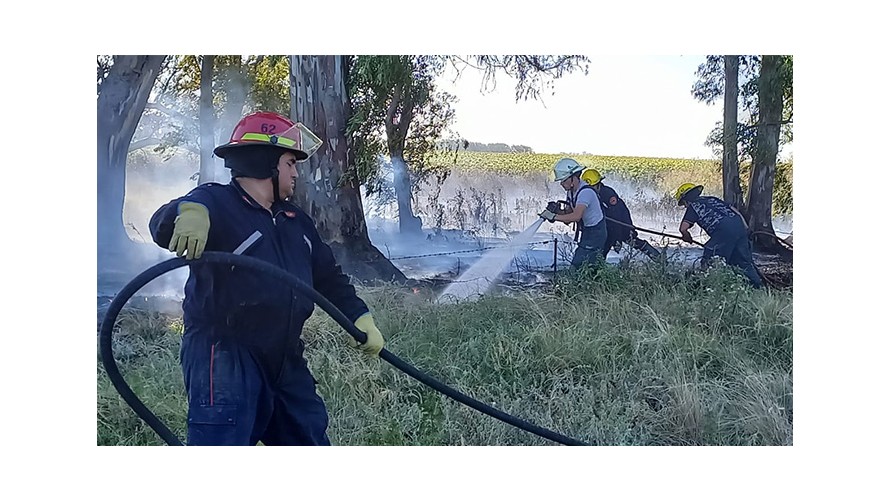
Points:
(190, 230)
(374, 343)
(553, 207)
(548, 215)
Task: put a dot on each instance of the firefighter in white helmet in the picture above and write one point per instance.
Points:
(584, 210)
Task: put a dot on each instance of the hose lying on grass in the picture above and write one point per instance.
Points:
(271, 270)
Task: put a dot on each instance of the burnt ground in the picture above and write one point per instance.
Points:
(778, 271)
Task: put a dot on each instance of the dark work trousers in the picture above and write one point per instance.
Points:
(629, 237)
(234, 400)
(729, 240)
(590, 246)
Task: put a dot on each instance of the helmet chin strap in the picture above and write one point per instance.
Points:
(275, 196)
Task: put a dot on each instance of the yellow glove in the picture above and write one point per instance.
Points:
(374, 343)
(190, 230)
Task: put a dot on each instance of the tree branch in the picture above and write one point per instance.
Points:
(151, 141)
(754, 125)
(170, 112)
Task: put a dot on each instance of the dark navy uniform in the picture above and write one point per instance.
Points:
(242, 356)
(615, 209)
(729, 238)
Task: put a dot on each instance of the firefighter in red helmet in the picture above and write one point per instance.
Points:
(242, 356)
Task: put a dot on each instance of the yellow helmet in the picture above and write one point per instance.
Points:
(686, 188)
(591, 176)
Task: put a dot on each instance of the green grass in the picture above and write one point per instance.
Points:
(638, 355)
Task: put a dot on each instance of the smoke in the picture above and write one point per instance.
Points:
(155, 174)
(479, 278)
(482, 209)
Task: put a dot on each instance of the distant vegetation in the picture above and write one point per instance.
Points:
(665, 173)
(488, 147)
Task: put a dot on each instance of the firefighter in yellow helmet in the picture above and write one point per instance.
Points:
(616, 213)
(724, 225)
(584, 209)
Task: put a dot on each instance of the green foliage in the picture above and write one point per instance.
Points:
(710, 87)
(711, 81)
(534, 74)
(270, 85)
(240, 85)
(633, 355)
(783, 199)
(396, 111)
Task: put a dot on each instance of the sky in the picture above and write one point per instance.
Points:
(625, 105)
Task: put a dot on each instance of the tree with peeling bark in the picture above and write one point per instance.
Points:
(327, 185)
(124, 84)
(763, 172)
(767, 100)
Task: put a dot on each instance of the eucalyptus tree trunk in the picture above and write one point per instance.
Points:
(327, 188)
(732, 188)
(123, 94)
(206, 121)
(763, 172)
(396, 135)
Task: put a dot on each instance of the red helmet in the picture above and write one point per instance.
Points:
(265, 127)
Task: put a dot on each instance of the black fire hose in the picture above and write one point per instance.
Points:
(678, 237)
(273, 271)
(780, 240)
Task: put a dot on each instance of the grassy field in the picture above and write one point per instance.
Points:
(638, 355)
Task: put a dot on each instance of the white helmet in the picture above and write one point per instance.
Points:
(565, 168)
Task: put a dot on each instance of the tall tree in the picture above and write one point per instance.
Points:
(123, 90)
(763, 172)
(759, 135)
(732, 187)
(395, 95)
(206, 120)
(328, 188)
